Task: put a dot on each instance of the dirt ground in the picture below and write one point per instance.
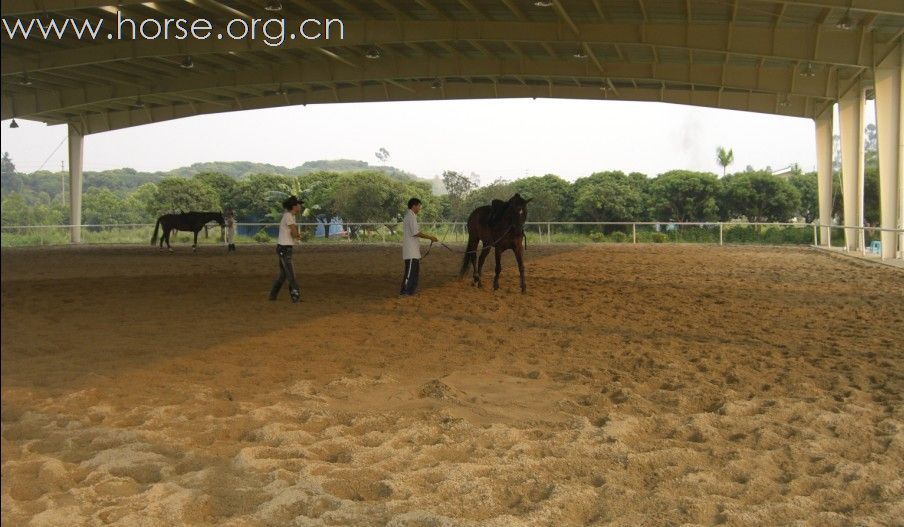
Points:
(632, 385)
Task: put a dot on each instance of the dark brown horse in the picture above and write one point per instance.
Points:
(187, 221)
(498, 226)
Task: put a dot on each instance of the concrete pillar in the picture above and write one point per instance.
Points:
(850, 110)
(890, 129)
(824, 171)
(76, 151)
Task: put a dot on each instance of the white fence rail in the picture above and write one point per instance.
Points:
(455, 232)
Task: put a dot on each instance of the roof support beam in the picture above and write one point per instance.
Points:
(34, 101)
(101, 122)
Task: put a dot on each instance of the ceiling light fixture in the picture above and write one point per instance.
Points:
(541, 3)
(373, 53)
(580, 54)
(26, 81)
(808, 71)
(187, 63)
(437, 84)
(273, 5)
(845, 23)
(138, 103)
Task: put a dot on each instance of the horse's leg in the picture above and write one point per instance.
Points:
(519, 255)
(470, 256)
(483, 256)
(194, 246)
(498, 255)
(168, 246)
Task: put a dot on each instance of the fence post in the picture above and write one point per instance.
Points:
(829, 230)
(634, 232)
(548, 232)
(815, 239)
(720, 233)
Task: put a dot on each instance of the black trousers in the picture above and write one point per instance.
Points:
(409, 279)
(286, 272)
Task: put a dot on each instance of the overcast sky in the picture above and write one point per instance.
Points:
(496, 139)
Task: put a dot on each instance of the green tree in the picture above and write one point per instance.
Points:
(11, 181)
(610, 196)
(724, 158)
(499, 189)
(368, 197)
(807, 187)
(457, 187)
(552, 197)
(682, 195)
(759, 196)
(422, 190)
(138, 202)
(318, 191)
(871, 209)
(16, 211)
(175, 195)
(259, 196)
(101, 206)
(224, 185)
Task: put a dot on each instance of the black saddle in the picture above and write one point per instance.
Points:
(498, 209)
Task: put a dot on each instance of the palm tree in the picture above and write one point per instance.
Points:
(725, 158)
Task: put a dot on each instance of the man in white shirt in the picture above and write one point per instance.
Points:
(288, 235)
(411, 248)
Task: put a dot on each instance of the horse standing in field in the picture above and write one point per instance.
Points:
(498, 226)
(187, 221)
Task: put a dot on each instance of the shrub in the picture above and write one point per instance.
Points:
(618, 237)
(659, 237)
(262, 236)
(597, 237)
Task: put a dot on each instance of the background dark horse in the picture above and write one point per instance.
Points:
(499, 226)
(187, 221)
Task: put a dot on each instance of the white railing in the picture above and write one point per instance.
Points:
(450, 232)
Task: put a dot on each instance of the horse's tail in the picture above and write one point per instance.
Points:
(470, 255)
(154, 237)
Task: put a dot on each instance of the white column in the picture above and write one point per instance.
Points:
(76, 151)
(824, 171)
(850, 110)
(890, 125)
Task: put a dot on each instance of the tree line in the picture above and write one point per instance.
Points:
(368, 195)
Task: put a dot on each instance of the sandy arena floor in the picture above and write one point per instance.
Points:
(632, 385)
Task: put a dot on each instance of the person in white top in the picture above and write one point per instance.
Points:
(288, 235)
(230, 230)
(411, 248)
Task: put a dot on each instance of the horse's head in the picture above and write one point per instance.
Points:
(517, 209)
